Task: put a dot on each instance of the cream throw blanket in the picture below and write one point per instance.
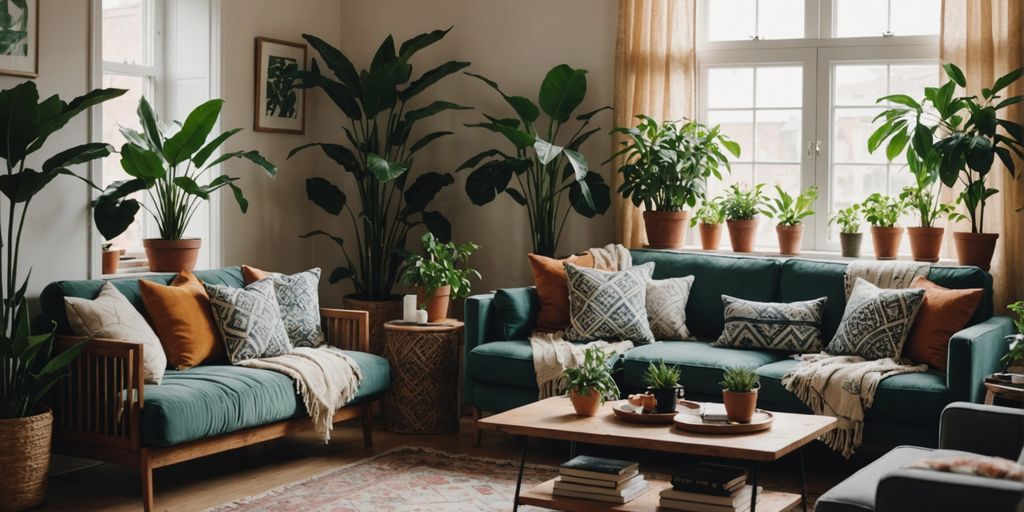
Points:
(325, 377)
(884, 274)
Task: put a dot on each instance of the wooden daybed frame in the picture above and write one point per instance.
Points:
(98, 408)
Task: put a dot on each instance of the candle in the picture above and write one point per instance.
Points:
(421, 316)
(409, 308)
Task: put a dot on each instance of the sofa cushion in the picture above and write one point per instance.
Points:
(503, 362)
(876, 321)
(183, 320)
(784, 326)
(249, 320)
(700, 363)
(608, 305)
(515, 312)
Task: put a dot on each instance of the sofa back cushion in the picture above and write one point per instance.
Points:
(515, 312)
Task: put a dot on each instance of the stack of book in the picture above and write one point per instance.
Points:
(594, 478)
(707, 487)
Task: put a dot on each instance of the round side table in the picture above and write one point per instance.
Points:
(425, 362)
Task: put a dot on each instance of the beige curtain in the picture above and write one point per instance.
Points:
(655, 73)
(983, 37)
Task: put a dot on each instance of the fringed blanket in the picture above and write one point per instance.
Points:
(884, 274)
(325, 377)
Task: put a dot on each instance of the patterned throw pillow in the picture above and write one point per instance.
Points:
(876, 321)
(608, 305)
(249, 320)
(299, 300)
(666, 307)
(789, 327)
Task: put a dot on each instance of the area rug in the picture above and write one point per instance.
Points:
(404, 479)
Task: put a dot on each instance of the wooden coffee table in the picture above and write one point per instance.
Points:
(554, 418)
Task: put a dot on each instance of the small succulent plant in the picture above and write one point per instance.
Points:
(740, 379)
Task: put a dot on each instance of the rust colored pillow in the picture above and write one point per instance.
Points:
(553, 289)
(183, 321)
(252, 274)
(942, 314)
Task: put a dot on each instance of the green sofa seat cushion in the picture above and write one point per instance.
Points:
(207, 401)
(515, 312)
(701, 364)
(503, 362)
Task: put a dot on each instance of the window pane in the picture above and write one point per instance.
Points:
(852, 127)
(125, 34)
(731, 20)
(780, 19)
(911, 79)
(730, 87)
(915, 17)
(778, 136)
(120, 111)
(859, 84)
(861, 18)
(738, 124)
(779, 86)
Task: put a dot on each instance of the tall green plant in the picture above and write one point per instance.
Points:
(545, 172)
(377, 154)
(29, 363)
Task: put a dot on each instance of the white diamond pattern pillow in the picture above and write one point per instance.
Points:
(608, 305)
(787, 327)
(112, 316)
(666, 307)
(876, 321)
(249, 320)
(299, 300)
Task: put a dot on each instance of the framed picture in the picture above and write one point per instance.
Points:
(280, 107)
(19, 38)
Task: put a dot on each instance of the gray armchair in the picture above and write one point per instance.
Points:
(965, 428)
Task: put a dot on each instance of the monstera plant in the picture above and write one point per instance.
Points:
(541, 170)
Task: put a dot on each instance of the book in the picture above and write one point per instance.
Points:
(714, 413)
(635, 491)
(624, 491)
(710, 478)
(689, 506)
(600, 483)
(599, 468)
(736, 499)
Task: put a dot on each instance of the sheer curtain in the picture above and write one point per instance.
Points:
(655, 73)
(983, 37)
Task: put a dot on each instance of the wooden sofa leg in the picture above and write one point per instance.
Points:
(478, 434)
(146, 473)
(367, 420)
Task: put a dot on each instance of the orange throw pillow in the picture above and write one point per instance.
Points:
(942, 314)
(183, 321)
(553, 289)
(252, 274)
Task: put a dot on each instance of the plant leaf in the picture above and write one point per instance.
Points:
(546, 151)
(150, 128)
(182, 145)
(955, 74)
(431, 77)
(336, 61)
(438, 225)
(433, 108)
(562, 91)
(142, 163)
(325, 194)
(384, 170)
(422, 191)
(578, 163)
(200, 158)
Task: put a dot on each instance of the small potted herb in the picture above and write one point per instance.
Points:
(709, 219)
(924, 198)
(663, 382)
(790, 212)
(883, 212)
(850, 236)
(741, 206)
(439, 275)
(1015, 354)
(590, 383)
(739, 393)
(111, 257)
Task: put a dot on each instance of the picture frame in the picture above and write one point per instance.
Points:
(19, 40)
(279, 107)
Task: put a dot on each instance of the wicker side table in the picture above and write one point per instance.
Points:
(425, 362)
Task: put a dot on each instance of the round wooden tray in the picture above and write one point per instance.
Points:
(682, 407)
(762, 420)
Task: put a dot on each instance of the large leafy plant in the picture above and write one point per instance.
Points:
(546, 174)
(668, 165)
(442, 264)
(377, 153)
(30, 363)
(170, 168)
(791, 210)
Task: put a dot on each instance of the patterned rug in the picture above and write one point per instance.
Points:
(403, 479)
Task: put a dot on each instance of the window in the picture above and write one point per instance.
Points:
(795, 83)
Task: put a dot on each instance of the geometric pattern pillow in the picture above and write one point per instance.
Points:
(249, 319)
(789, 327)
(666, 307)
(608, 305)
(876, 321)
(299, 300)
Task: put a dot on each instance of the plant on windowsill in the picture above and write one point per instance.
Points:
(591, 383)
(739, 393)
(741, 206)
(924, 198)
(169, 169)
(1013, 361)
(663, 382)
(441, 274)
(883, 212)
(667, 167)
(790, 213)
(850, 236)
(709, 219)
(111, 258)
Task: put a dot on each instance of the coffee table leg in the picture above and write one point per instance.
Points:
(572, 449)
(803, 480)
(519, 480)
(753, 490)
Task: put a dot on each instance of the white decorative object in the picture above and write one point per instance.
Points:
(409, 308)
(421, 316)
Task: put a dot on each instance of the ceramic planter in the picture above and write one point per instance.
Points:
(925, 243)
(886, 242)
(585, 405)
(25, 454)
(790, 238)
(740, 405)
(380, 311)
(742, 234)
(110, 260)
(975, 248)
(436, 304)
(849, 244)
(666, 398)
(172, 255)
(710, 236)
(666, 230)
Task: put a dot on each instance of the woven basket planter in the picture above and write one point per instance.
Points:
(25, 459)
(381, 311)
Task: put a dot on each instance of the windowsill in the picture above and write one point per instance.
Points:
(807, 255)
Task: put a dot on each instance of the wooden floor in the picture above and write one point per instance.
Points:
(225, 477)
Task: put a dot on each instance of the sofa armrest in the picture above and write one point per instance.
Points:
(346, 329)
(974, 354)
(936, 491)
(477, 327)
(983, 429)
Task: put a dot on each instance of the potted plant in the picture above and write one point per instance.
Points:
(968, 134)
(709, 219)
(883, 212)
(923, 197)
(591, 382)
(741, 206)
(1015, 353)
(663, 382)
(439, 275)
(547, 175)
(739, 393)
(667, 168)
(169, 170)
(376, 154)
(790, 212)
(30, 363)
(850, 236)
(111, 257)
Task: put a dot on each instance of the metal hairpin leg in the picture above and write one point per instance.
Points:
(572, 449)
(519, 480)
(753, 490)
(803, 480)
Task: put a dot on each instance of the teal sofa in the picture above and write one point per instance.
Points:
(499, 366)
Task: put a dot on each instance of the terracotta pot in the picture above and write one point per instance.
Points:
(666, 230)
(110, 260)
(740, 406)
(585, 405)
(380, 311)
(790, 238)
(886, 242)
(437, 304)
(849, 243)
(925, 243)
(25, 457)
(172, 255)
(710, 236)
(666, 398)
(742, 234)
(975, 248)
